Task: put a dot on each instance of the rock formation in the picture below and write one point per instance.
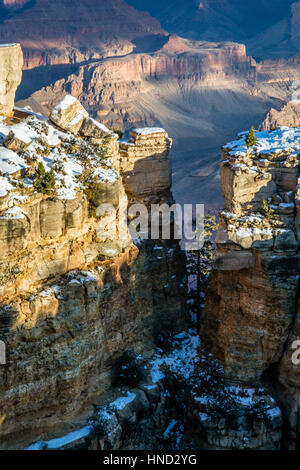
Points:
(268, 29)
(145, 163)
(251, 314)
(109, 88)
(75, 291)
(11, 62)
(288, 115)
(85, 30)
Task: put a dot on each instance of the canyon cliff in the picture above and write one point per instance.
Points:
(269, 29)
(81, 31)
(109, 88)
(251, 315)
(76, 291)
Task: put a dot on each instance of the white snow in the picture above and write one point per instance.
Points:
(170, 427)
(282, 139)
(62, 441)
(47, 146)
(20, 133)
(121, 402)
(272, 412)
(5, 186)
(8, 44)
(181, 359)
(148, 130)
(81, 277)
(100, 126)
(106, 175)
(10, 162)
(65, 103)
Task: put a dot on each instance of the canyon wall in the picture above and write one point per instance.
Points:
(251, 314)
(82, 30)
(76, 291)
(109, 88)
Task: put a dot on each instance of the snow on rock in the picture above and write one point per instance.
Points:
(106, 175)
(148, 130)
(10, 162)
(268, 142)
(182, 358)
(69, 114)
(121, 402)
(5, 186)
(44, 143)
(62, 441)
(13, 213)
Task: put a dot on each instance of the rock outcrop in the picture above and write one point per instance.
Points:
(288, 115)
(75, 291)
(251, 315)
(145, 163)
(11, 62)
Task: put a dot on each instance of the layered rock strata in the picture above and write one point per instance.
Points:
(288, 115)
(114, 89)
(85, 30)
(250, 318)
(75, 291)
(145, 163)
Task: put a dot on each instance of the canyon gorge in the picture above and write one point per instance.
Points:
(125, 103)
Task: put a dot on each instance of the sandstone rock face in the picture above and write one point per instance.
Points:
(145, 162)
(289, 116)
(75, 292)
(251, 315)
(11, 62)
(112, 89)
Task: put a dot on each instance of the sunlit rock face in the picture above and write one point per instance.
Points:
(288, 115)
(11, 62)
(251, 315)
(75, 290)
(85, 29)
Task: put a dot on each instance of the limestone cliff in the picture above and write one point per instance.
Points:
(252, 308)
(110, 88)
(75, 291)
(11, 62)
(75, 31)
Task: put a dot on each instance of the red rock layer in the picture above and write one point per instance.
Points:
(76, 30)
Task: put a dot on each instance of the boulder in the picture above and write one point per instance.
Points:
(69, 114)
(17, 141)
(93, 128)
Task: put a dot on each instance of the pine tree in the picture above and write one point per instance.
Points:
(43, 181)
(251, 140)
(267, 211)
